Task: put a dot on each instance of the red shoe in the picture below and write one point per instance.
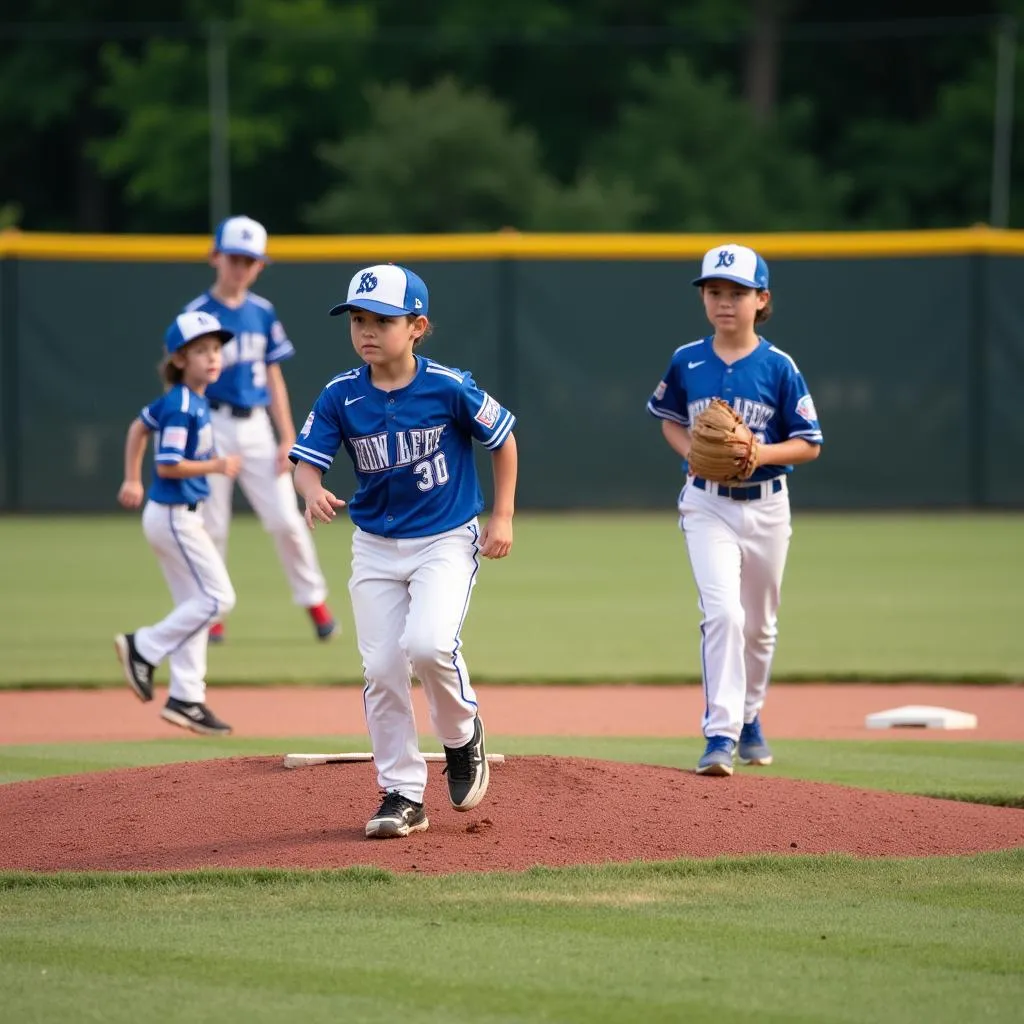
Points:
(323, 621)
(216, 635)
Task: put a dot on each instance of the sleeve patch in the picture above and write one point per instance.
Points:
(277, 334)
(659, 391)
(174, 437)
(489, 412)
(308, 425)
(805, 408)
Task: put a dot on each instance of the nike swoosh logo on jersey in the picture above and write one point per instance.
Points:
(349, 401)
(693, 366)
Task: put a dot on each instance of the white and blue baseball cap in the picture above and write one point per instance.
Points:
(241, 236)
(737, 263)
(386, 289)
(189, 326)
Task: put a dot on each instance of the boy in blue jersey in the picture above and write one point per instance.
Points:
(173, 523)
(737, 535)
(408, 425)
(247, 402)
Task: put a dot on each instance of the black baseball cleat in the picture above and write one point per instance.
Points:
(396, 816)
(467, 770)
(137, 671)
(197, 717)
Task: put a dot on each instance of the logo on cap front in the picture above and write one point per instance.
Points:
(725, 258)
(367, 282)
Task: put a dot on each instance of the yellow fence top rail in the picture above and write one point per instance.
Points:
(515, 245)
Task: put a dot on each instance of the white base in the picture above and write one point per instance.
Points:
(301, 760)
(921, 716)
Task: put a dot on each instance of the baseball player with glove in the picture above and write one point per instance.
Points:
(738, 411)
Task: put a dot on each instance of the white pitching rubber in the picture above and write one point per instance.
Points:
(303, 760)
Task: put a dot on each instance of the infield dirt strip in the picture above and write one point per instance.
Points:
(253, 812)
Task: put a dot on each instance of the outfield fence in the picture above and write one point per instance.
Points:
(913, 344)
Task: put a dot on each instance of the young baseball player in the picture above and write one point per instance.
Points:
(737, 535)
(408, 424)
(249, 396)
(173, 523)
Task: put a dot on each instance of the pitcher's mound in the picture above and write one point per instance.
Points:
(252, 812)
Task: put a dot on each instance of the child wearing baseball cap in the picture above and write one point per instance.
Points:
(737, 532)
(408, 424)
(251, 412)
(173, 523)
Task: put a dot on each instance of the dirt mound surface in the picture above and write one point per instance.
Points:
(252, 812)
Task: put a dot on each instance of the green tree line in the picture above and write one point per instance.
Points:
(358, 116)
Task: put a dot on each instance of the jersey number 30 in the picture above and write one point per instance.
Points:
(432, 472)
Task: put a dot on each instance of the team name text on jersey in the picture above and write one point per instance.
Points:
(374, 453)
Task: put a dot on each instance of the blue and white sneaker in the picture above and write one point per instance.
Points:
(754, 748)
(718, 756)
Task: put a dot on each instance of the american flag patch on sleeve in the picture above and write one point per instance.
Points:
(174, 437)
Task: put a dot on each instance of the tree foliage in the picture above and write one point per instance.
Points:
(378, 115)
(697, 154)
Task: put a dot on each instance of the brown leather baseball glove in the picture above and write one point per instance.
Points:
(722, 448)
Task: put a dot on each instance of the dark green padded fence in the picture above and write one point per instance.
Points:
(916, 365)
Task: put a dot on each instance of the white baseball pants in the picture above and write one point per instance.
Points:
(271, 496)
(409, 600)
(738, 554)
(201, 590)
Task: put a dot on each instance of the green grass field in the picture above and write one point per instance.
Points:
(763, 939)
(830, 939)
(583, 597)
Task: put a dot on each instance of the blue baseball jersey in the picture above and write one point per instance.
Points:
(259, 340)
(765, 388)
(412, 448)
(180, 419)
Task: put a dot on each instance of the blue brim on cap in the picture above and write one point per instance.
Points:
(370, 306)
(746, 282)
(234, 251)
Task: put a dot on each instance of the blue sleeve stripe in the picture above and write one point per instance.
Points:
(665, 414)
(689, 344)
(280, 352)
(444, 371)
(807, 435)
(312, 460)
(312, 456)
(172, 458)
(500, 436)
(148, 419)
(500, 426)
(500, 430)
(347, 375)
